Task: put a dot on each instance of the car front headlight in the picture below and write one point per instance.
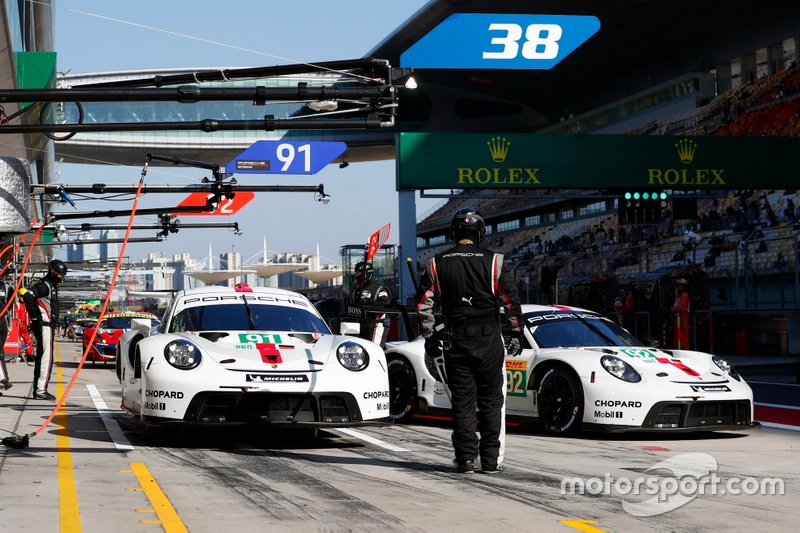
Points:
(620, 369)
(352, 356)
(182, 354)
(726, 367)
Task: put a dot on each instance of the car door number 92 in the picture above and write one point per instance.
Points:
(540, 42)
(515, 382)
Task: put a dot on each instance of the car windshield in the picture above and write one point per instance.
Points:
(234, 317)
(116, 322)
(553, 329)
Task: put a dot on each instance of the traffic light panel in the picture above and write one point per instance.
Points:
(642, 207)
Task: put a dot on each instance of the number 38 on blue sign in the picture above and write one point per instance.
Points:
(492, 41)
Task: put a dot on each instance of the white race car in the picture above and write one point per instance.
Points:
(580, 370)
(225, 355)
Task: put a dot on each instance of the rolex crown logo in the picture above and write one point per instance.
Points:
(686, 149)
(498, 147)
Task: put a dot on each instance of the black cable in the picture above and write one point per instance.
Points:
(121, 197)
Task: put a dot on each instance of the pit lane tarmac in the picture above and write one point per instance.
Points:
(96, 469)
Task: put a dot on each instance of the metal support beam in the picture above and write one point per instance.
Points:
(95, 241)
(269, 123)
(180, 225)
(189, 94)
(102, 188)
(368, 65)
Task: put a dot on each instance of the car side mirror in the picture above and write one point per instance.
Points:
(350, 328)
(141, 324)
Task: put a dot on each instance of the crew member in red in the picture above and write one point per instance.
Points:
(680, 312)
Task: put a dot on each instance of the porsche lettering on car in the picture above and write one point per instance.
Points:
(241, 355)
(580, 370)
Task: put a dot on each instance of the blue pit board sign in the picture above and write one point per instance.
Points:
(500, 41)
(285, 157)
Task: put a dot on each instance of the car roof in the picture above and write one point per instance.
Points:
(264, 291)
(130, 314)
(536, 308)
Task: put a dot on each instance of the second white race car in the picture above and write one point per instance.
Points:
(225, 355)
(580, 370)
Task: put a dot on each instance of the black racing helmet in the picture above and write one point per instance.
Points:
(58, 268)
(364, 270)
(467, 224)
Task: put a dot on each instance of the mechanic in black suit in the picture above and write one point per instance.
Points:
(6, 294)
(470, 285)
(41, 303)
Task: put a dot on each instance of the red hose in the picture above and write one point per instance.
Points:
(102, 310)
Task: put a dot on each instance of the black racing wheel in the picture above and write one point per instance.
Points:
(402, 389)
(560, 400)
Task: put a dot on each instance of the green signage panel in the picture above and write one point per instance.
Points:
(531, 161)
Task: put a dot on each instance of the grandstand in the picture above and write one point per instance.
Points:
(740, 250)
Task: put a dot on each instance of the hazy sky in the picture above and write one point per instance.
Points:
(102, 35)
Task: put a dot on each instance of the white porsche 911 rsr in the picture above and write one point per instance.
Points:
(236, 355)
(580, 370)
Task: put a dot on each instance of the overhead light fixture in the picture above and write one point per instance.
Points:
(344, 164)
(324, 105)
(404, 77)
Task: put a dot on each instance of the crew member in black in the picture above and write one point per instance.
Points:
(369, 292)
(470, 285)
(41, 303)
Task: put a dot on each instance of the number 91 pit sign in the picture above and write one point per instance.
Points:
(285, 157)
(500, 41)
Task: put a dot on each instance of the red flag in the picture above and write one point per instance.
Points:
(376, 240)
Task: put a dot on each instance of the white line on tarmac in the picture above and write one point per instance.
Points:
(780, 426)
(772, 383)
(796, 408)
(371, 440)
(119, 440)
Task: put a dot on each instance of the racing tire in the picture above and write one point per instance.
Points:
(402, 389)
(118, 364)
(560, 401)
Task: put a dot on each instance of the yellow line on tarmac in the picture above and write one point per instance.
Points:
(583, 525)
(166, 513)
(67, 491)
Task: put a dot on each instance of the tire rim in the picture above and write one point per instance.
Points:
(401, 391)
(558, 401)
